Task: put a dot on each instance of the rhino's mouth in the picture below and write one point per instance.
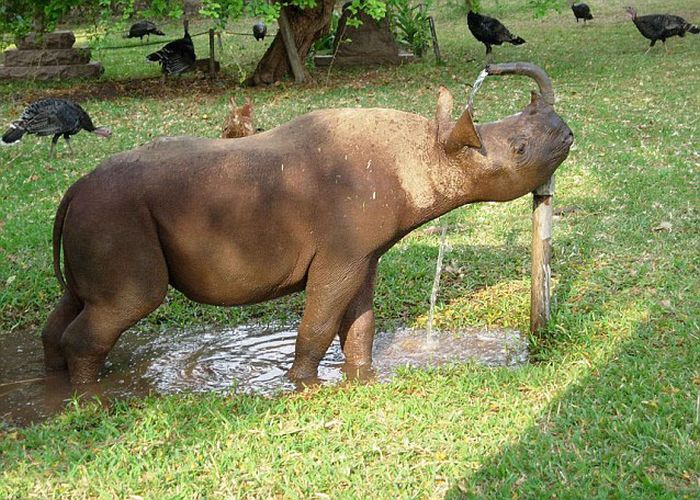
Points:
(569, 139)
(561, 152)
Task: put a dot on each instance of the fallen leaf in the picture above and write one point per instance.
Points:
(568, 209)
(664, 226)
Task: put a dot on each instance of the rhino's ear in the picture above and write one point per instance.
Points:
(463, 134)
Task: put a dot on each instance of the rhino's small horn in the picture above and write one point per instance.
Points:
(463, 134)
(445, 103)
(443, 114)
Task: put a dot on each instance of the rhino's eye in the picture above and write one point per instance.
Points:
(520, 147)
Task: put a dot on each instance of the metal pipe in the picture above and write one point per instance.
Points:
(527, 69)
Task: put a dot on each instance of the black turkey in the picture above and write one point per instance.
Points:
(259, 31)
(661, 26)
(581, 11)
(175, 57)
(144, 28)
(57, 117)
(490, 31)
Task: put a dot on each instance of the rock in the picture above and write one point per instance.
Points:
(59, 72)
(46, 57)
(49, 56)
(53, 40)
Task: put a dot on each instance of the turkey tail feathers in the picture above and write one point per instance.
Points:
(176, 64)
(12, 135)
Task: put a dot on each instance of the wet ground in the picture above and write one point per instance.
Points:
(250, 359)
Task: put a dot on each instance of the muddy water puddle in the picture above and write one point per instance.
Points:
(245, 359)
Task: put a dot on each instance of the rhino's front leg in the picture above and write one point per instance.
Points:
(330, 288)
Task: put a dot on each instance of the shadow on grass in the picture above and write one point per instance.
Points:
(628, 427)
(468, 269)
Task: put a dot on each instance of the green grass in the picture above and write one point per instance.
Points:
(608, 408)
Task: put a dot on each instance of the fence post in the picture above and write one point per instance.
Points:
(433, 34)
(212, 61)
(540, 293)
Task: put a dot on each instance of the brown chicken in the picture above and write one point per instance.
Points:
(239, 122)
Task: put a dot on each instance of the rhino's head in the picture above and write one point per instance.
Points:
(511, 157)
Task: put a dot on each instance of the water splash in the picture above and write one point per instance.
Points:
(430, 336)
(475, 88)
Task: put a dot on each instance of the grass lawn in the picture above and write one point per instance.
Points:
(609, 406)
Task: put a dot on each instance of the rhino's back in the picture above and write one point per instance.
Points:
(315, 143)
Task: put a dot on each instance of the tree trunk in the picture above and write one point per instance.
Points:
(307, 25)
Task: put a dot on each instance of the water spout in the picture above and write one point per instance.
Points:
(526, 69)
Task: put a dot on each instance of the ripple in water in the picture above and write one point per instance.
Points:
(249, 359)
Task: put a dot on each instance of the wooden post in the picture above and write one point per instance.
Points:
(541, 255)
(433, 33)
(290, 46)
(212, 61)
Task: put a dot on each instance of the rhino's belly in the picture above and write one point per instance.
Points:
(235, 263)
(235, 290)
(223, 275)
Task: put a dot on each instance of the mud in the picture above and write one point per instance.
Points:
(245, 359)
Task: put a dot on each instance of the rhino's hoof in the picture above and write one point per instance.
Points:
(84, 371)
(303, 374)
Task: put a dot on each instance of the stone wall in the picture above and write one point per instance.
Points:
(50, 56)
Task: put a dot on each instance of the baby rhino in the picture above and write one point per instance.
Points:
(310, 205)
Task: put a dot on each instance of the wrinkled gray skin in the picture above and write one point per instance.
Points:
(310, 205)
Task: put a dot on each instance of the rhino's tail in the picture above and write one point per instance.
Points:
(58, 234)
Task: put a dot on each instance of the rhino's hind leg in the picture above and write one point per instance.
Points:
(357, 328)
(92, 334)
(329, 291)
(117, 268)
(63, 314)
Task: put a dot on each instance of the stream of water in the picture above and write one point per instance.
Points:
(430, 339)
(475, 88)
